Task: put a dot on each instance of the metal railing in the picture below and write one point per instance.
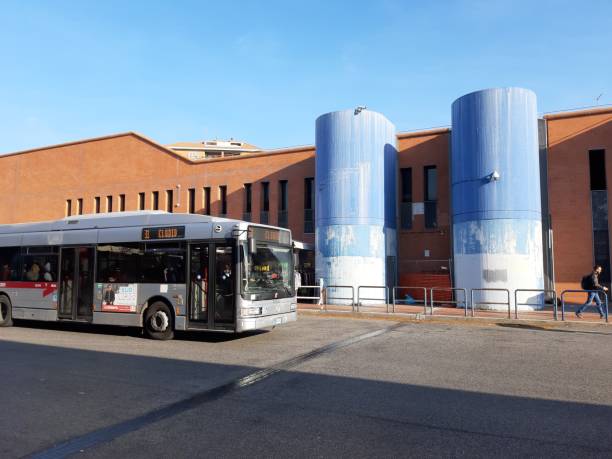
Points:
(342, 298)
(455, 301)
(459, 298)
(588, 292)
(542, 291)
(312, 287)
(360, 298)
(395, 300)
(498, 303)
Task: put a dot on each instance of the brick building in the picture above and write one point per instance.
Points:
(128, 171)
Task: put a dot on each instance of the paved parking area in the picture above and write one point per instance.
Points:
(408, 389)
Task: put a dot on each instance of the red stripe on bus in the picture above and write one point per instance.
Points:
(47, 287)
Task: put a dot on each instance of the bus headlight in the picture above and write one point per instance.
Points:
(251, 311)
(293, 306)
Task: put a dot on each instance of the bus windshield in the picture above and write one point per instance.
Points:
(267, 273)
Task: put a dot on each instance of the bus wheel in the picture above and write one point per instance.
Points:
(6, 315)
(158, 321)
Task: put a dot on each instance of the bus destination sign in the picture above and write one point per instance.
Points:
(269, 235)
(163, 232)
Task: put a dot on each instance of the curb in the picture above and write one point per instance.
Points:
(460, 320)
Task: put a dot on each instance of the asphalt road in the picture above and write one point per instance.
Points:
(319, 387)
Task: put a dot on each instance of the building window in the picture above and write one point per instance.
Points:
(309, 203)
(248, 200)
(141, 201)
(265, 202)
(207, 200)
(191, 198)
(121, 203)
(431, 197)
(109, 203)
(406, 201)
(169, 201)
(599, 212)
(223, 199)
(283, 198)
(155, 200)
(68, 207)
(80, 206)
(97, 204)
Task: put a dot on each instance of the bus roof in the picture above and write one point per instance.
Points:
(113, 220)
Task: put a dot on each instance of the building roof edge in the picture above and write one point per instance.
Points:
(578, 113)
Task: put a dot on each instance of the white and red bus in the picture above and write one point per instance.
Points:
(156, 270)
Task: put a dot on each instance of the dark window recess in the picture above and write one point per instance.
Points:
(207, 200)
(599, 205)
(80, 206)
(191, 197)
(265, 202)
(223, 199)
(68, 207)
(601, 250)
(122, 203)
(599, 210)
(162, 263)
(97, 204)
(283, 203)
(141, 201)
(431, 197)
(169, 201)
(309, 203)
(406, 202)
(109, 203)
(248, 201)
(597, 167)
(155, 200)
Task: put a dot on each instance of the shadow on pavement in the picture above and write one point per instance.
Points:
(557, 330)
(59, 394)
(79, 327)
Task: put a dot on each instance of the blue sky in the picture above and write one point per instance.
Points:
(263, 71)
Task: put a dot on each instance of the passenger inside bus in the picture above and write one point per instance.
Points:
(5, 273)
(33, 273)
(48, 275)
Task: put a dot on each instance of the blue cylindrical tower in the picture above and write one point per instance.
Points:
(356, 169)
(495, 192)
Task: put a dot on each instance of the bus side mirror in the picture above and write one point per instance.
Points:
(252, 245)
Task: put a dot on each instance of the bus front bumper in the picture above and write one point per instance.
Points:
(254, 323)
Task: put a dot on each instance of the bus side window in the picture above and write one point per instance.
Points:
(9, 263)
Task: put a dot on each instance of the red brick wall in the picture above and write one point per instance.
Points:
(570, 137)
(425, 280)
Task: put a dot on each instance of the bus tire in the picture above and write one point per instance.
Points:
(159, 323)
(6, 312)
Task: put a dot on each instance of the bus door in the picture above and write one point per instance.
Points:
(211, 292)
(199, 282)
(224, 287)
(76, 283)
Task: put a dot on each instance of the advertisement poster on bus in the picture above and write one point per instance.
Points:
(119, 297)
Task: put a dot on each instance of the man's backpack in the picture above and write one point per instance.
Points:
(587, 282)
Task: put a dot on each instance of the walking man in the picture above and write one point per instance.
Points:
(595, 288)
